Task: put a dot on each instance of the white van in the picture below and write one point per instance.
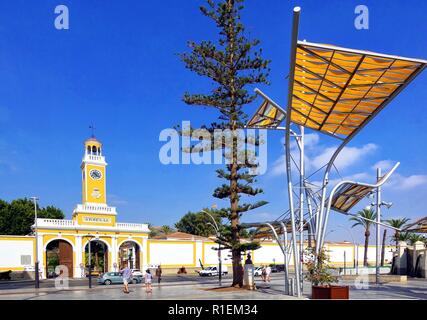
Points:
(213, 271)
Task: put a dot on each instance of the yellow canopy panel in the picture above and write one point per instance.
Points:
(265, 232)
(336, 90)
(348, 195)
(267, 116)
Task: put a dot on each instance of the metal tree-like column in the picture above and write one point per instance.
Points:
(288, 149)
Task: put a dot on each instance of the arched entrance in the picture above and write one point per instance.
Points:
(59, 252)
(99, 256)
(129, 255)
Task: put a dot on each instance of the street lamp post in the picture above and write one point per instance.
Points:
(378, 229)
(90, 267)
(219, 265)
(356, 248)
(90, 261)
(36, 258)
(216, 228)
(378, 204)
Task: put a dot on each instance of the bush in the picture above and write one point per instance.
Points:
(318, 268)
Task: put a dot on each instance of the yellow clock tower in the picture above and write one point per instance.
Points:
(93, 173)
(94, 208)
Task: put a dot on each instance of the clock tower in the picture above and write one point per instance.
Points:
(94, 209)
(93, 173)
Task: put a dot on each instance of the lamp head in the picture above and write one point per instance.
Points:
(387, 204)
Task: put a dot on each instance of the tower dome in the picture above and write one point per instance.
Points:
(93, 146)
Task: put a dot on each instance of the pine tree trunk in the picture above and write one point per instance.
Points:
(234, 202)
(383, 248)
(365, 257)
(234, 196)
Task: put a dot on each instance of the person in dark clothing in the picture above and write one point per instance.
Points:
(159, 274)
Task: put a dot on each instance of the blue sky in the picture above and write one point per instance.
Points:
(117, 67)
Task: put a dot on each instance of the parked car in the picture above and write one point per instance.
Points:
(213, 271)
(136, 272)
(258, 271)
(116, 278)
(277, 268)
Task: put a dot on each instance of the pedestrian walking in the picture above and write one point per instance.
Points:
(126, 275)
(148, 278)
(263, 273)
(268, 273)
(159, 274)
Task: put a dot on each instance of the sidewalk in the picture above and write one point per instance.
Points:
(104, 287)
(175, 291)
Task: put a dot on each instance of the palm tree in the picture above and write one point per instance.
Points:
(166, 229)
(397, 223)
(416, 237)
(404, 236)
(360, 220)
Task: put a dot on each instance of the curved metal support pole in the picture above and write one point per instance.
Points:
(284, 251)
(293, 53)
(376, 185)
(323, 199)
(301, 202)
(310, 210)
(285, 246)
(276, 237)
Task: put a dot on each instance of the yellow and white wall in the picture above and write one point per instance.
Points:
(17, 253)
(171, 254)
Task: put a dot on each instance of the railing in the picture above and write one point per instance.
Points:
(55, 222)
(88, 208)
(132, 226)
(41, 222)
(92, 157)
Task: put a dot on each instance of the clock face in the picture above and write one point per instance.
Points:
(95, 174)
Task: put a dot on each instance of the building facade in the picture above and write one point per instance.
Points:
(93, 231)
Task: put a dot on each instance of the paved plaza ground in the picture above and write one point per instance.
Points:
(194, 287)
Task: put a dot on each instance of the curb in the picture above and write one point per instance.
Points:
(85, 288)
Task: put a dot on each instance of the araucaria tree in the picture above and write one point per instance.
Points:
(233, 64)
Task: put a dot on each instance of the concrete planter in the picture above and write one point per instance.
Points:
(330, 292)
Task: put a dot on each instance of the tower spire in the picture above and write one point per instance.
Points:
(92, 127)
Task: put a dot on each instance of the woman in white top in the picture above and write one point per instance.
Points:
(148, 278)
(268, 273)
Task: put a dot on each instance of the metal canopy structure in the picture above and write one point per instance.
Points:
(337, 90)
(269, 114)
(264, 231)
(420, 226)
(347, 194)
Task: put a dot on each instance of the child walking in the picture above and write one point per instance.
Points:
(148, 278)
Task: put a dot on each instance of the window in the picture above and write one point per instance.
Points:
(25, 260)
